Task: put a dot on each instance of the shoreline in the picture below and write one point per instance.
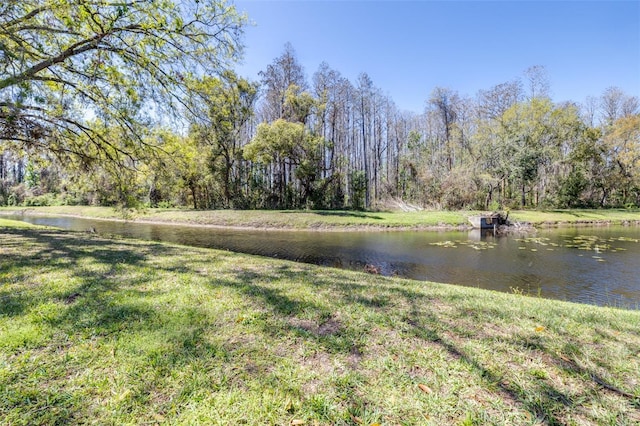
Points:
(266, 227)
(319, 226)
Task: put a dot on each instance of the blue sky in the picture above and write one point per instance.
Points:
(410, 47)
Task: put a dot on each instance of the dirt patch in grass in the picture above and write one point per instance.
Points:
(328, 327)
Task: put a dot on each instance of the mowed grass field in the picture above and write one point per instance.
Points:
(98, 330)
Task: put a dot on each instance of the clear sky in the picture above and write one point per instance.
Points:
(410, 47)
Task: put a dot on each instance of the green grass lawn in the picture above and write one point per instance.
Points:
(291, 219)
(576, 216)
(327, 220)
(6, 223)
(115, 331)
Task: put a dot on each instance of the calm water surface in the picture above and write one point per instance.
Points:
(590, 265)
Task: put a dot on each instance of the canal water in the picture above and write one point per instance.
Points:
(595, 265)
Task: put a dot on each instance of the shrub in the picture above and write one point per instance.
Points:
(42, 200)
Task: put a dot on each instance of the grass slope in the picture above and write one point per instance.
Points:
(6, 223)
(291, 219)
(577, 216)
(326, 220)
(110, 331)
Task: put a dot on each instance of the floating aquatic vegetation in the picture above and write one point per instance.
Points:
(543, 241)
(476, 245)
(589, 243)
(447, 244)
(594, 243)
(584, 243)
(628, 239)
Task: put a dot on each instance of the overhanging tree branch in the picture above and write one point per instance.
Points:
(72, 69)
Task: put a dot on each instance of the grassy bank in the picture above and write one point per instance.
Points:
(5, 223)
(278, 219)
(326, 220)
(111, 331)
(577, 216)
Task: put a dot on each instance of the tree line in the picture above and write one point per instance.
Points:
(151, 113)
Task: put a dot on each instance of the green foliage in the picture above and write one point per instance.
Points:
(328, 194)
(135, 105)
(12, 200)
(524, 145)
(284, 142)
(279, 140)
(622, 144)
(298, 105)
(65, 61)
(225, 104)
(571, 188)
(32, 177)
(43, 200)
(12, 195)
(358, 188)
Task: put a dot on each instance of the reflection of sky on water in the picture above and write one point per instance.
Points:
(575, 264)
